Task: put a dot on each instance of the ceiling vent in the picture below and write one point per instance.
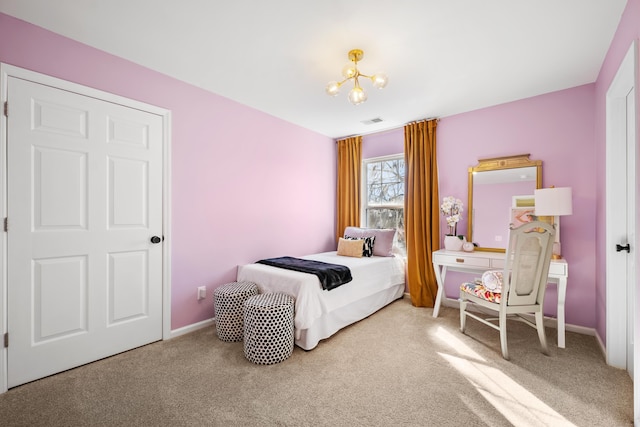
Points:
(371, 121)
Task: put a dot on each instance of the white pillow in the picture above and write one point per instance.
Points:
(492, 281)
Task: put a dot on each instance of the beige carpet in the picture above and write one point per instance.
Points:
(398, 367)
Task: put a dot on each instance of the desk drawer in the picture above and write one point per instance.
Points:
(462, 260)
(497, 263)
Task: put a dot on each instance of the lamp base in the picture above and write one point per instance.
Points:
(556, 251)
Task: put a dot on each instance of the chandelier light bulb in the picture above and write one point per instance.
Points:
(357, 96)
(333, 88)
(350, 72)
(379, 80)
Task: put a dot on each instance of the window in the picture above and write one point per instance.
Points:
(383, 200)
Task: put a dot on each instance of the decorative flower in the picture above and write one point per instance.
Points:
(452, 208)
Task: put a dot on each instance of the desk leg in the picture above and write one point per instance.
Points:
(562, 293)
(441, 273)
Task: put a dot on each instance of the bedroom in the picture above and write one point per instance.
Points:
(225, 214)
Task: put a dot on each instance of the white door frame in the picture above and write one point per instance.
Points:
(9, 70)
(621, 311)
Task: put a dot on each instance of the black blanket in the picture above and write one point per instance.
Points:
(331, 275)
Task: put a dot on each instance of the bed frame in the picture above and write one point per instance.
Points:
(377, 281)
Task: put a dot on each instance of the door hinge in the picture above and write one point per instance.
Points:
(6, 108)
(6, 340)
(6, 224)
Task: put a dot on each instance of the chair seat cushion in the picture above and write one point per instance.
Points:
(480, 291)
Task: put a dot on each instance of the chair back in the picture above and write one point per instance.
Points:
(527, 263)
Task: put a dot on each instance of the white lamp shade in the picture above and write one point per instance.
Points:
(553, 201)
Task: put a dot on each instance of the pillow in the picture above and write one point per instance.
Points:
(367, 249)
(384, 238)
(492, 280)
(352, 248)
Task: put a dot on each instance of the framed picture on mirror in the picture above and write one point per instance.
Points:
(520, 216)
(523, 211)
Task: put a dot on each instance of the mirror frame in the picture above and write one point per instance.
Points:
(493, 164)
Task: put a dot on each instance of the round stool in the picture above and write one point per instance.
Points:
(228, 304)
(268, 328)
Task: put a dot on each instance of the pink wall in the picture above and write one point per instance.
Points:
(628, 30)
(556, 128)
(381, 144)
(239, 192)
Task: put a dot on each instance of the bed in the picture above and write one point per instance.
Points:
(376, 282)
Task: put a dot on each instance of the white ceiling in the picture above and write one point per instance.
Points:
(442, 56)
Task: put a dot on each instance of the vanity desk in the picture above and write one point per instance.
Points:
(478, 262)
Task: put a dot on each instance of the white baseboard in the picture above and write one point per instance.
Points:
(603, 348)
(580, 329)
(446, 302)
(193, 327)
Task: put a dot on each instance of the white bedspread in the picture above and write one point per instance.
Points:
(370, 275)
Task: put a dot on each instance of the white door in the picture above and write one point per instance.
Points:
(622, 254)
(84, 201)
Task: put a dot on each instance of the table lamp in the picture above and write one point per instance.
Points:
(555, 202)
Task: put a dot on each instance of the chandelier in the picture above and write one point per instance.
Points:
(350, 72)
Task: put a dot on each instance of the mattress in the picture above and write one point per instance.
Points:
(376, 279)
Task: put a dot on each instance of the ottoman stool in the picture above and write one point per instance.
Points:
(268, 328)
(228, 303)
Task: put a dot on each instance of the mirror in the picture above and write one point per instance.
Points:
(495, 186)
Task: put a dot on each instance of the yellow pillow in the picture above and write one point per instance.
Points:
(352, 248)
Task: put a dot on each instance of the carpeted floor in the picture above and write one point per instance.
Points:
(399, 367)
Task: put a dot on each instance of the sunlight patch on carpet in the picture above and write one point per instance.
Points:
(514, 402)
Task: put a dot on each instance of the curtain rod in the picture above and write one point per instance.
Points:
(437, 119)
(373, 132)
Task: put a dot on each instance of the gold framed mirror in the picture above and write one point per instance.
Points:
(496, 186)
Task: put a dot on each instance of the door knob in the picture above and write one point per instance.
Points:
(620, 248)
(156, 239)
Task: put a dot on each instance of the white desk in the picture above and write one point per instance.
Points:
(477, 262)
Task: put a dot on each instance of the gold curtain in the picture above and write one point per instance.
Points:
(421, 210)
(348, 192)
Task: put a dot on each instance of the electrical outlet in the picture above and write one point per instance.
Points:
(202, 292)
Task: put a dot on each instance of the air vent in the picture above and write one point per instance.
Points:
(371, 121)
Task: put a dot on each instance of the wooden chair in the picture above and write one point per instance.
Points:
(523, 281)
